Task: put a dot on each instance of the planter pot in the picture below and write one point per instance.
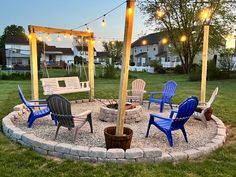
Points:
(113, 141)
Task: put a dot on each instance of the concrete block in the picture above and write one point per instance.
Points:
(63, 148)
(82, 151)
(152, 152)
(97, 152)
(177, 156)
(193, 153)
(133, 153)
(48, 145)
(115, 153)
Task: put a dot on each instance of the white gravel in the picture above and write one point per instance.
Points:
(198, 135)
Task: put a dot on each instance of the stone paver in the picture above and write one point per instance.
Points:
(97, 152)
(152, 152)
(133, 153)
(115, 153)
(82, 151)
(63, 148)
(177, 156)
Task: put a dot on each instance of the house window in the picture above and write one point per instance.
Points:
(141, 50)
(135, 51)
(154, 49)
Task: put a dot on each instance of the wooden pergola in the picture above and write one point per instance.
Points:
(33, 30)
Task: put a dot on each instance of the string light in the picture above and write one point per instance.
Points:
(183, 38)
(29, 36)
(103, 21)
(130, 10)
(48, 38)
(113, 42)
(205, 14)
(58, 38)
(159, 13)
(164, 41)
(144, 42)
(40, 38)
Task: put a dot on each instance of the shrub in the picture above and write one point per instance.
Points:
(109, 71)
(15, 76)
(213, 73)
(158, 67)
(178, 69)
(195, 73)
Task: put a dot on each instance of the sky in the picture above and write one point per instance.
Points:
(69, 14)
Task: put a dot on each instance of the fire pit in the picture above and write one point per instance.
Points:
(109, 113)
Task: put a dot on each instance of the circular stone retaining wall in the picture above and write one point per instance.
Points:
(98, 154)
(131, 115)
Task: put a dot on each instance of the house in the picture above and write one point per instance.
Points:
(82, 51)
(149, 48)
(54, 55)
(102, 57)
(17, 51)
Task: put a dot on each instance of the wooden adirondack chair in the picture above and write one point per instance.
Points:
(60, 109)
(167, 94)
(204, 110)
(169, 124)
(42, 109)
(137, 91)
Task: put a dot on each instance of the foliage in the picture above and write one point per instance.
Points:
(15, 75)
(79, 60)
(12, 30)
(114, 48)
(226, 62)
(157, 67)
(213, 73)
(181, 17)
(16, 160)
(178, 70)
(109, 71)
(195, 73)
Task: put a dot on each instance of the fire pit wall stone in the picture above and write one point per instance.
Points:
(131, 115)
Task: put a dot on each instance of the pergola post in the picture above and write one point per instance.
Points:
(204, 63)
(91, 66)
(129, 17)
(34, 66)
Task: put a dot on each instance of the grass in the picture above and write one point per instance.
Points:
(16, 160)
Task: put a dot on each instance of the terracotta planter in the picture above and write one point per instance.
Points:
(113, 141)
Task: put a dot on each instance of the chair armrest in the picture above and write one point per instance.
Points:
(83, 114)
(153, 93)
(160, 117)
(172, 113)
(129, 90)
(202, 103)
(39, 101)
(38, 105)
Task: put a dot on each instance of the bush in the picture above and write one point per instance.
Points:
(195, 73)
(158, 67)
(109, 71)
(178, 69)
(132, 63)
(213, 73)
(15, 75)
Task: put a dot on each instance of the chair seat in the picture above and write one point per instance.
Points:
(155, 100)
(78, 121)
(164, 123)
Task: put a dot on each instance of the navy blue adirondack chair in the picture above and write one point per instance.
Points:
(35, 114)
(167, 94)
(167, 125)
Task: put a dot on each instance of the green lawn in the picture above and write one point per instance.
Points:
(16, 160)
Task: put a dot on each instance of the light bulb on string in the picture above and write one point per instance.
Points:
(48, 38)
(159, 13)
(144, 42)
(40, 38)
(87, 28)
(103, 22)
(113, 42)
(29, 36)
(183, 38)
(164, 41)
(58, 38)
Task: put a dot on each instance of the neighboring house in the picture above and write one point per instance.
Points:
(17, 51)
(148, 48)
(102, 57)
(82, 51)
(54, 55)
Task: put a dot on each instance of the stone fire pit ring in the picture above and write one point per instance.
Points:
(131, 115)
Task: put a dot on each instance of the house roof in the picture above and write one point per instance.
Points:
(103, 55)
(58, 50)
(143, 54)
(83, 48)
(162, 53)
(23, 40)
(153, 38)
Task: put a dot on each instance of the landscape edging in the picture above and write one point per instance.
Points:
(98, 154)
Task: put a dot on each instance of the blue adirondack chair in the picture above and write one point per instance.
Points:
(167, 94)
(35, 114)
(167, 125)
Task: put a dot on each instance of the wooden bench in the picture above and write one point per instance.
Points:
(72, 85)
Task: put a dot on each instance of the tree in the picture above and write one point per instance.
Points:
(182, 18)
(226, 62)
(114, 48)
(12, 30)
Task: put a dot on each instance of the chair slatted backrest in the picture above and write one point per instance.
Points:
(60, 107)
(213, 97)
(138, 87)
(186, 109)
(23, 98)
(169, 91)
